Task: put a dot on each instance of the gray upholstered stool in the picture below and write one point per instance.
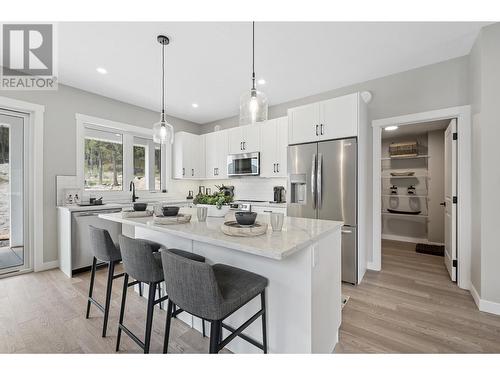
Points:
(144, 265)
(108, 252)
(212, 293)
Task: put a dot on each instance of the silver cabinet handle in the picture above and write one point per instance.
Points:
(320, 182)
(313, 180)
(277, 167)
(241, 145)
(274, 167)
(183, 171)
(321, 129)
(268, 211)
(244, 145)
(346, 231)
(192, 172)
(317, 130)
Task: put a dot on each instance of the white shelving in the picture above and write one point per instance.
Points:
(405, 196)
(404, 215)
(406, 157)
(406, 177)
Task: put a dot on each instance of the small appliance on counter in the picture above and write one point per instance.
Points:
(279, 194)
(190, 195)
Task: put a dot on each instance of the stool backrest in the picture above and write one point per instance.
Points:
(191, 285)
(139, 261)
(102, 245)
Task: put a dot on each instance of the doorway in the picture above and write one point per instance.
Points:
(418, 183)
(459, 253)
(14, 252)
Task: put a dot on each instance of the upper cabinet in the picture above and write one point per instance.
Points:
(274, 143)
(243, 139)
(329, 119)
(216, 150)
(187, 162)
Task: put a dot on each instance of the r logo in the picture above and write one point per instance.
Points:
(27, 49)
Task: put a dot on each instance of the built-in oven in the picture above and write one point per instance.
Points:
(243, 164)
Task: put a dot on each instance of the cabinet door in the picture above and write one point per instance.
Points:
(251, 138)
(197, 156)
(339, 117)
(281, 146)
(303, 124)
(221, 146)
(235, 139)
(268, 152)
(211, 155)
(180, 155)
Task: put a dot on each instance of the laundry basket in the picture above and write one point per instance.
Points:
(403, 149)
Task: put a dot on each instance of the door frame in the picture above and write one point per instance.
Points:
(34, 199)
(463, 116)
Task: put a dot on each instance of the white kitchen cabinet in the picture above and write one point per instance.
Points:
(243, 139)
(329, 119)
(189, 151)
(268, 210)
(274, 143)
(338, 117)
(216, 150)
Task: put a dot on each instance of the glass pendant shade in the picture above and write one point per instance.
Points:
(253, 107)
(163, 133)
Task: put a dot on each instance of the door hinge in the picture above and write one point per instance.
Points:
(455, 199)
(455, 136)
(455, 263)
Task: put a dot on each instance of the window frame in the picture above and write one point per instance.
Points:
(128, 133)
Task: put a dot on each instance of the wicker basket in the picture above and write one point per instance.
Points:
(403, 149)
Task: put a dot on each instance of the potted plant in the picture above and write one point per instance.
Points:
(216, 203)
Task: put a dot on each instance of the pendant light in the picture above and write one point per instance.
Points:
(163, 132)
(253, 103)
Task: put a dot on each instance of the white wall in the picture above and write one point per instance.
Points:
(427, 88)
(435, 225)
(60, 139)
(249, 188)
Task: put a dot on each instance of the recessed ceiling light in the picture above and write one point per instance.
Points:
(194, 105)
(101, 70)
(261, 81)
(391, 128)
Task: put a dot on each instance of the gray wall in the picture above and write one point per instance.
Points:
(427, 88)
(435, 148)
(60, 138)
(485, 96)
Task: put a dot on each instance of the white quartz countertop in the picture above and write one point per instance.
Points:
(297, 233)
(108, 206)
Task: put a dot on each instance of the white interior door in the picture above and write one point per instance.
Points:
(450, 187)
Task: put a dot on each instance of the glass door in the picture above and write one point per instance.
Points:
(13, 252)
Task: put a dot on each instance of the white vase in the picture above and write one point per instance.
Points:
(213, 211)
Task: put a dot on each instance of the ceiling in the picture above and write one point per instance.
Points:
(209, 63)
(416, 129)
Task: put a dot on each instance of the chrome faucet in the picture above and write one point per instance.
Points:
(132, 189)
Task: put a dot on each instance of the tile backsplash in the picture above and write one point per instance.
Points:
(251, 188)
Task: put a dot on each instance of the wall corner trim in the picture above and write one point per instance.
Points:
(47, 266)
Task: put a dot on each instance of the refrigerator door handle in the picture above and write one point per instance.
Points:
(346, 231)
(319, 181)
(313, 180)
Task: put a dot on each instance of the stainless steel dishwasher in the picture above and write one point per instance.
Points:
(81, 252)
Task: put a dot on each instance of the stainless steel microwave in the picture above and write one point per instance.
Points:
(243, 164)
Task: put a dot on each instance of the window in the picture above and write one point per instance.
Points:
(103, 165)
(111, 155)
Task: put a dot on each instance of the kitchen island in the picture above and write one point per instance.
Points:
(302, 263)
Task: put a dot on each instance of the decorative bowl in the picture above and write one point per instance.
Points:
(170, 210)
(245, 217)
(140, 206)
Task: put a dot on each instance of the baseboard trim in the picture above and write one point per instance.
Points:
(47, 266)
(372, 266)
(484, 305)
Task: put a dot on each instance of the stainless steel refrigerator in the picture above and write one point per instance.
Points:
(323, 185)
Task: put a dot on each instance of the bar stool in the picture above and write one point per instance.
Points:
(213, 293)
(144, 265)
(106, 251)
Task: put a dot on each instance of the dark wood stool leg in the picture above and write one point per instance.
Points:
(111, 271)
(170, 308)
(91, 288)
(203, 328)
(140, 289)
(263, 317)
(159, 295)
(149, 317)
(215, 327)
(122, 311)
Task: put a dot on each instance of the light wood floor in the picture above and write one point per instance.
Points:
(409, 307)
